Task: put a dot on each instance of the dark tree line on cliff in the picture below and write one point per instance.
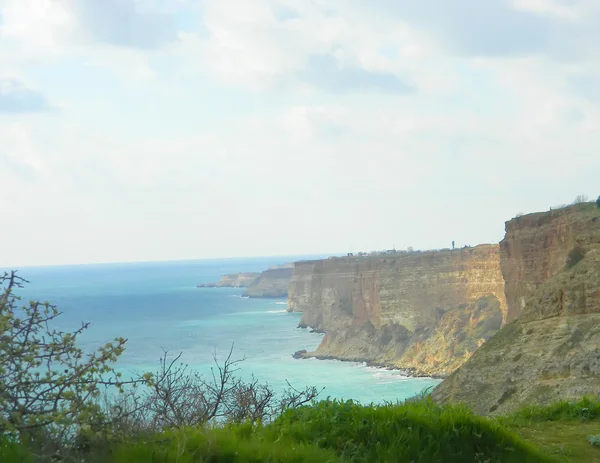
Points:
(54, 397)
(598, 201)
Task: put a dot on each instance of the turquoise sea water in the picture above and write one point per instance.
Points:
(157, 307)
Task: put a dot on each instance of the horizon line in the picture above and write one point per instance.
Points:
(164, 261)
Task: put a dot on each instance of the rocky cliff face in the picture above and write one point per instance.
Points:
(233, 280)
(551, 262)
(424, 312)
(536, 246)
(271, 283)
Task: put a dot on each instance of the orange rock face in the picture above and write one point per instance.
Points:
(400, 309)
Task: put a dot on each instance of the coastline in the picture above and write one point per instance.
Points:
(408, 372)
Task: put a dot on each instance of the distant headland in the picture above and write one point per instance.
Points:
(271, 283)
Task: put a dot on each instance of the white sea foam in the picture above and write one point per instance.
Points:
(281, 303)
(276, 311)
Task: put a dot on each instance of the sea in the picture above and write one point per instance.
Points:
(158, 308)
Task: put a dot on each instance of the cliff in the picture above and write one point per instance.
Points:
(273, 282)
(536, 246)
(551, 263)
(233, 280)
(425, 312)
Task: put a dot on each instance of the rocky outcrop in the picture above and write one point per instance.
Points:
(551, 262)
(272, 283)
(425, 312)
(233, 280)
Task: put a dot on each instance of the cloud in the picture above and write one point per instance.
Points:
(122, 23)
(324, 72)
(586, 84)
(46, 31)
(324, 46)
(16, 98)
(502, 28)
(19, 158)
(285, 13)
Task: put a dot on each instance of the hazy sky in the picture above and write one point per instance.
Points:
(175, 129)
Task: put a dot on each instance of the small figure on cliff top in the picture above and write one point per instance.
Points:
(453, 245)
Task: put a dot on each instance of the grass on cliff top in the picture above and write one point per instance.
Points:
(415, 431)
(335, 431)
(586, 409)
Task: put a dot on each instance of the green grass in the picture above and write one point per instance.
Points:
(562, 429)
(564, 441)
(334, 431)
(588, 408)
(11, 452)
(416, 431)
(234, 444)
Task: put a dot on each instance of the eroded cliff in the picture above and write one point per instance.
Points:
(551, 262)
(425, 312)
(536, 246)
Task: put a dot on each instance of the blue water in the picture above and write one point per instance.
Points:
(157, 307)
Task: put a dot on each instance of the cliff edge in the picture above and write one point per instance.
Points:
(536, 246)
(551, 263)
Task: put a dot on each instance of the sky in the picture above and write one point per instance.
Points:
(138, 130)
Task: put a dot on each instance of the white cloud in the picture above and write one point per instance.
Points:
(549, 7)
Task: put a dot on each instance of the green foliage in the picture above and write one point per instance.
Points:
(46, 381)
(575, 256)
(598, 201)
(587, 408)
(11, 451)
